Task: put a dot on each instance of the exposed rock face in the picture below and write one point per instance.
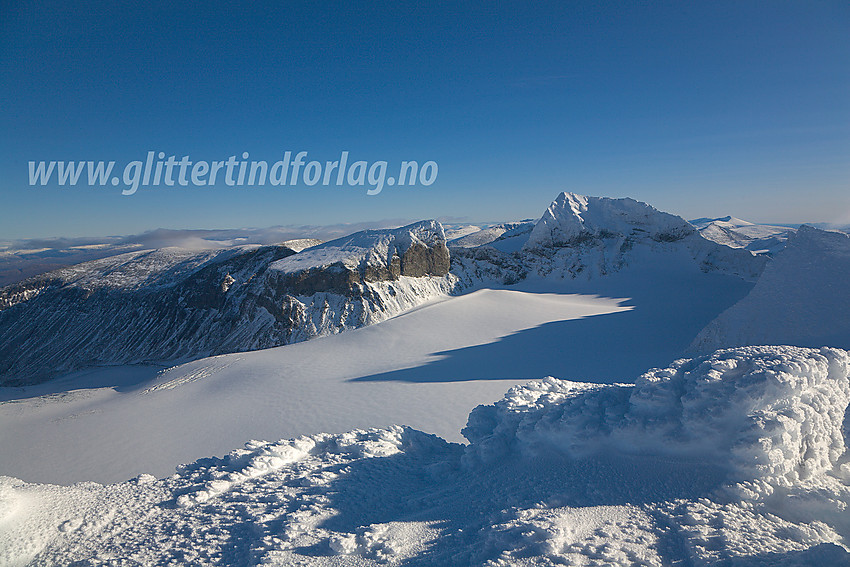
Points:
(574, 219)
(169, 304)
(343, 266)
(582, 237)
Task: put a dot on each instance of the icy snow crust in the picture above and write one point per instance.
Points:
(556, 473)
(770, 414)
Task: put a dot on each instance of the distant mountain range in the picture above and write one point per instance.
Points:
(172, 304)
(175, 304)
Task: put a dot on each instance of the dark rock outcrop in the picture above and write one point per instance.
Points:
(168, 304)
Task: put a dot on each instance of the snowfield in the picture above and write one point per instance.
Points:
(555, 473)
(109, 425)
(739, 233)
(801, 299)
(398, 444)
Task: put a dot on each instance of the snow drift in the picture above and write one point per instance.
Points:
(801, 299)
(694, 464)
(773, 414)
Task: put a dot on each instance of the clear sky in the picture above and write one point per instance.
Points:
(699, 108)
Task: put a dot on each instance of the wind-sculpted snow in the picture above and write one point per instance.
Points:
(173, 304)
(770, 414)
(738, 458)
(801, 299)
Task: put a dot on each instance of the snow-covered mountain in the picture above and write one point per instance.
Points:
(801, 299)
(172, 304)
(507, 237)
(21, 259)
(584, 238)
(737, 233)
(737, 458)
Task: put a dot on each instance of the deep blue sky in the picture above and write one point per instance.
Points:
(701, 109)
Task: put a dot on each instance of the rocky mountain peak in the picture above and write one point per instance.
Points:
(573, 218)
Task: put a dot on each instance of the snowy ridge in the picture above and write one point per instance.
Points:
(802, 298)
(129, 271)
(366, 247)
(693, 465)
(586, 238)
(173, 304)
(737, 233)
(496, 235)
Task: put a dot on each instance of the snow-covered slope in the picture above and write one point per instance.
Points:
(415, 250)
(508, 237)
(738, 458)
(426, 368)
(801, 299)
(173, 304)
(737, 233)
(585, 238)
(573, 219)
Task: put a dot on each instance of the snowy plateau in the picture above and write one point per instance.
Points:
(677, 395)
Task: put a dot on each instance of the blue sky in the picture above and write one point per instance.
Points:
(701, 109)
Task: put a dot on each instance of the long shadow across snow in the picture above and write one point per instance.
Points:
(615, 347)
